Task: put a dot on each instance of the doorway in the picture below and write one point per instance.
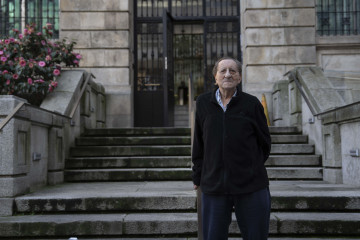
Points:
(177, 42)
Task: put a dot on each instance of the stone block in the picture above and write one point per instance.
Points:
(109, 39)
(6, 206)
(280, 18)
(13, 186)
(112, 76)
(280, 36)
(101, 109)
(350, 133)
(340, 61)
(94, 20)
(280, 55)
(115, 20)
(15, 148)
(37, 175)
(64, 96)
(82, 38)
(278, 3)
(333, 175)
(40, 116)
(295, 105)
(56, 149)
(331, 145)
(55, 177)
(118, 104)
(8, 103)
(94, 5)
(264, 74)
(312, 130)
(57, 120)
(280, 99)
(85, 102)
(318, 89)
(104, 58)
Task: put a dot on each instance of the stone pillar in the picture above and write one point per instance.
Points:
(15, 150)
(102, 32)
(280, 101)
(332, 161)
(295, 105)
(277, 35)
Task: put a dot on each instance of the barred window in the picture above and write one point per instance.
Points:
(15, 14)
(338, 17)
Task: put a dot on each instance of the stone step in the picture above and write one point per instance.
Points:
(177, 196)
(135, 174)
(284, 130)
(101, 151)
(295, 173)
(292, 149)
(168, 131)
(138, 131)
(293, 160)
(172, 150)
(111, 141)
(175, 162)
(181, 117)
(289, 139)
(129, 162)
(168, 140)
(190, 238)
(163, 224)
(163, 174)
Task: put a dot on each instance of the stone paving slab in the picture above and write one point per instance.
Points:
(169, 188)
(168, 223)
(179, 196)
(239, 238)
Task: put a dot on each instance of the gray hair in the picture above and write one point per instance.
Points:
(238, 64)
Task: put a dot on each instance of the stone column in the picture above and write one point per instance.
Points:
(332, 155)
(277, 35)
(102, 32)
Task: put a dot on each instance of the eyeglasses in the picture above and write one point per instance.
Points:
(231, 71)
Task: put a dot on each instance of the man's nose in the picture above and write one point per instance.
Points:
(227, 73)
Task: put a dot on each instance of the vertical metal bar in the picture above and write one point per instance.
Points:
(204, 8)
(328, 6)
(136, 54)
(356, 17)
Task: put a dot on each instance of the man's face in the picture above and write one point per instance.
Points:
(227, 76)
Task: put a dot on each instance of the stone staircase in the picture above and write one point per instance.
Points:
(135, 184)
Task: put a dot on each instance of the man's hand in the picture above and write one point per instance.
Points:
(195, 187)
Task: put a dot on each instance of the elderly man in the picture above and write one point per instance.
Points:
(231, 144)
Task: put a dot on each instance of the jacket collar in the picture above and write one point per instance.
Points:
(236, 97)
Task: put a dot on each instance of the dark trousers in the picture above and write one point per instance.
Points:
(252, 213)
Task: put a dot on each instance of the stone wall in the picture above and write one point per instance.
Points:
(277, 35)
(103, 38)
(36, 141)
(338, 53)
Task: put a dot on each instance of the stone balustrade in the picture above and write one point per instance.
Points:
(333, 125)
(36, 141)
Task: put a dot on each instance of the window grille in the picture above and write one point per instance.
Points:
(15, 14)
(338, 17)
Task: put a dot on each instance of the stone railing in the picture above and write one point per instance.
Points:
(36, 140)
(328, 114)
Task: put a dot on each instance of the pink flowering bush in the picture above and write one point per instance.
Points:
(31, 61)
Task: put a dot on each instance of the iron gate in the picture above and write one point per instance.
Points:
(156, 49)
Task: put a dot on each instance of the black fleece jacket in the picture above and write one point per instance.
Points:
(230, 148)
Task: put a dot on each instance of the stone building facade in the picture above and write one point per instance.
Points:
(276, 36)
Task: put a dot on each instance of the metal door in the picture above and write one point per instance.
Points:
(154, 51)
